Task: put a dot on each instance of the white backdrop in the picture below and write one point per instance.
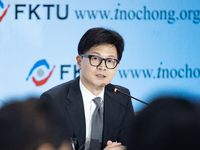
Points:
(161, 44)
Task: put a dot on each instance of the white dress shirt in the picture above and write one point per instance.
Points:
(89, 107)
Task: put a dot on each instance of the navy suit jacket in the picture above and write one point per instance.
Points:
(118, 113)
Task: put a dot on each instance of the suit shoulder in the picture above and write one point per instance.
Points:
(60, 89)
(122, 88)
(122, 99)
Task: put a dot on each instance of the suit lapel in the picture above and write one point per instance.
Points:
(111, 114)
(75, 109)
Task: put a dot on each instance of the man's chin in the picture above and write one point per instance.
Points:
(103, 85)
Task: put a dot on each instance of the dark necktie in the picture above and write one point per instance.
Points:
(97, 125)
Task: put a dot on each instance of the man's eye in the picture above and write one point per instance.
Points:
(111, 60)
(96, 58)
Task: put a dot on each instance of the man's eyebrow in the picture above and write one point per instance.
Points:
(96, 53)
(100, 54)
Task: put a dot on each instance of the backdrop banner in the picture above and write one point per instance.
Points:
(39, 39)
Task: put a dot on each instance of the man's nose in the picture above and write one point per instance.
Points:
(102, 65)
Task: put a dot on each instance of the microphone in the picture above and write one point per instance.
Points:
(112, 88)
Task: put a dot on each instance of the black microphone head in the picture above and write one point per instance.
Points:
(110, 87)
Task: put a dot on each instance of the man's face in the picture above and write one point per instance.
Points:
(96, 78)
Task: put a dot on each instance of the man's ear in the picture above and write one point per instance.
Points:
(78, 61)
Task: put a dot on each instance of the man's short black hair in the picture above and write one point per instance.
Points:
(98, 36)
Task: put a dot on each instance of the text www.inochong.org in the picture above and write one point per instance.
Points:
(171, 16)
(160, 73)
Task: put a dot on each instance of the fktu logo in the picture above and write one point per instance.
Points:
(2, 15)
(35, 10)
(39, 67)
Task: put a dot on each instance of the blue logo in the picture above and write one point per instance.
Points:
(40, 72)
(4, 12)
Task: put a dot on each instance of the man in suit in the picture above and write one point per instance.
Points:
(99, 54)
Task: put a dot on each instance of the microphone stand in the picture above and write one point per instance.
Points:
(132, 97)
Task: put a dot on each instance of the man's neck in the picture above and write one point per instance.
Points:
(94, 90)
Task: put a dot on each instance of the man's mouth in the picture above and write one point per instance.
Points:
(100, 75)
